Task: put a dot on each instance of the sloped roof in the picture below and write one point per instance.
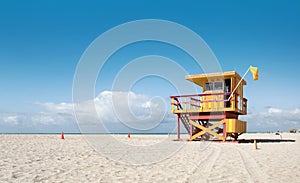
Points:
(200, 79)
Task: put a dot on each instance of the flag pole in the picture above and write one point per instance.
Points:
(238, 84)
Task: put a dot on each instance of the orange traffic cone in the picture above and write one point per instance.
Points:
(128, 135)
(62, 135)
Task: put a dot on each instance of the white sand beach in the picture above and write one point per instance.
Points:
(47, 158)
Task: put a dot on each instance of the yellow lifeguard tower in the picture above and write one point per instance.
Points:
(215, 112)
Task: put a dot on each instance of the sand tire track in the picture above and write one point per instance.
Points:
(252, 167)
(203, 170)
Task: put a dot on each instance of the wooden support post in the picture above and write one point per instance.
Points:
(255, 144)
(191, 130)
(224, 132)
(178, 126)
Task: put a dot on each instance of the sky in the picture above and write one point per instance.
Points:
(42, 42)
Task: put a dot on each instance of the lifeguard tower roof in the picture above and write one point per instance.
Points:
(201, 79)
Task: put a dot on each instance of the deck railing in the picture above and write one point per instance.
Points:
(208, 102)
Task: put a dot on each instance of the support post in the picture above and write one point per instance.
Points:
(255, 145)
(178, 126)
(191, 130)
(224, 131)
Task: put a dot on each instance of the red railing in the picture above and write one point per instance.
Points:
(208, 102)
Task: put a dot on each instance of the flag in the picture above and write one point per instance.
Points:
(254, 71)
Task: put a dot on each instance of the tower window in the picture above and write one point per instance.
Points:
(213, 86)
(218, 86)
(209, 86)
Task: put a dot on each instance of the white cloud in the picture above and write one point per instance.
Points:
(273, 119)
(274, 110)
(34, 118)
(134, 110)
(11, 119)
(60, 107)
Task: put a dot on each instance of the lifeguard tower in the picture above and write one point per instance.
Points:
(215, 112)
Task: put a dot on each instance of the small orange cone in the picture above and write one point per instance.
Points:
(128, 135)
(62, 135)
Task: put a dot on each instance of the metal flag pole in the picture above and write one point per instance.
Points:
(238, 84)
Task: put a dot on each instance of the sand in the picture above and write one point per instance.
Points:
(47, 158)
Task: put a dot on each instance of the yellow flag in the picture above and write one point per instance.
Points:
(254, 71)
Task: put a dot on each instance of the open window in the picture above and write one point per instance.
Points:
(227, 89)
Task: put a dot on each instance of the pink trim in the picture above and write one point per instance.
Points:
(178, 127)
(205, 117)
(202, 101)
(199, 95)
(224, 131)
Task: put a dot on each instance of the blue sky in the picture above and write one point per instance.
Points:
(41, 43)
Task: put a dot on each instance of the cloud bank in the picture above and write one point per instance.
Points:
(117, 111)
(273, 119)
